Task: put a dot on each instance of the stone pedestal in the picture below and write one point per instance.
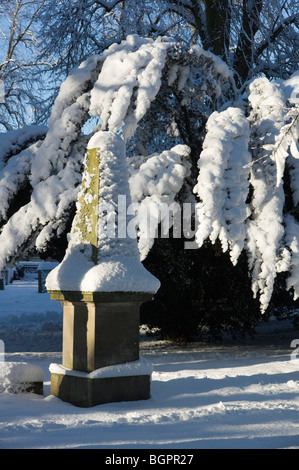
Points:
(101, 284)
(86, 390)
(100, 336)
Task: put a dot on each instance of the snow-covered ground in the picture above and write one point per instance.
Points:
(227, 395)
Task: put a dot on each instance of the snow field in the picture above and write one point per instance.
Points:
(227, 395)
(197, 402)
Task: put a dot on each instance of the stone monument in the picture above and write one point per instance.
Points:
(101, 284)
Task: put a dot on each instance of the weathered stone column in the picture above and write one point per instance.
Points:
(101, 284)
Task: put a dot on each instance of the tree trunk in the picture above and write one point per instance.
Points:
(218, 15)
(244, 56)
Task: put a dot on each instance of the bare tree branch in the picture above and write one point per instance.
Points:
(294, 19)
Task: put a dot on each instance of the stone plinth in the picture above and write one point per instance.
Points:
(100, 330)
(122, 382)
(86, 392)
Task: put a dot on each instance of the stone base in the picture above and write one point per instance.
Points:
(106, 385)
(86, 392)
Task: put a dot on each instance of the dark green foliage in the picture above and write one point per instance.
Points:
(175, 306)
(19, 199)
(202, 294)
(58, 245)
(282, 304)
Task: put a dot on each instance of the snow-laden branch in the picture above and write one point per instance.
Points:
(33, 224)
(286, 142)
(13, 142)
(154, 187)
(15, 175)
(265, 227)
(222, 184)
(69, 114)
(253, 220)
(129, 80)
(292, 242)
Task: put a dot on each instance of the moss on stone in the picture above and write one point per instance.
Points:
(86, 219)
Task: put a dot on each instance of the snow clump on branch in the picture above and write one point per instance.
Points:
(222, 184)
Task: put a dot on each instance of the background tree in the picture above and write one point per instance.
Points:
(245, 34)
(44, 39)
(253, 38)
(20, 69)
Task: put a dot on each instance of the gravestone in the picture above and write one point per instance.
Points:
(43, 269)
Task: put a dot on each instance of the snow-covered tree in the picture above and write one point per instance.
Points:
(242, 195)
(43, 40)
(121, 88)
(251, 36)
(173, 106)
